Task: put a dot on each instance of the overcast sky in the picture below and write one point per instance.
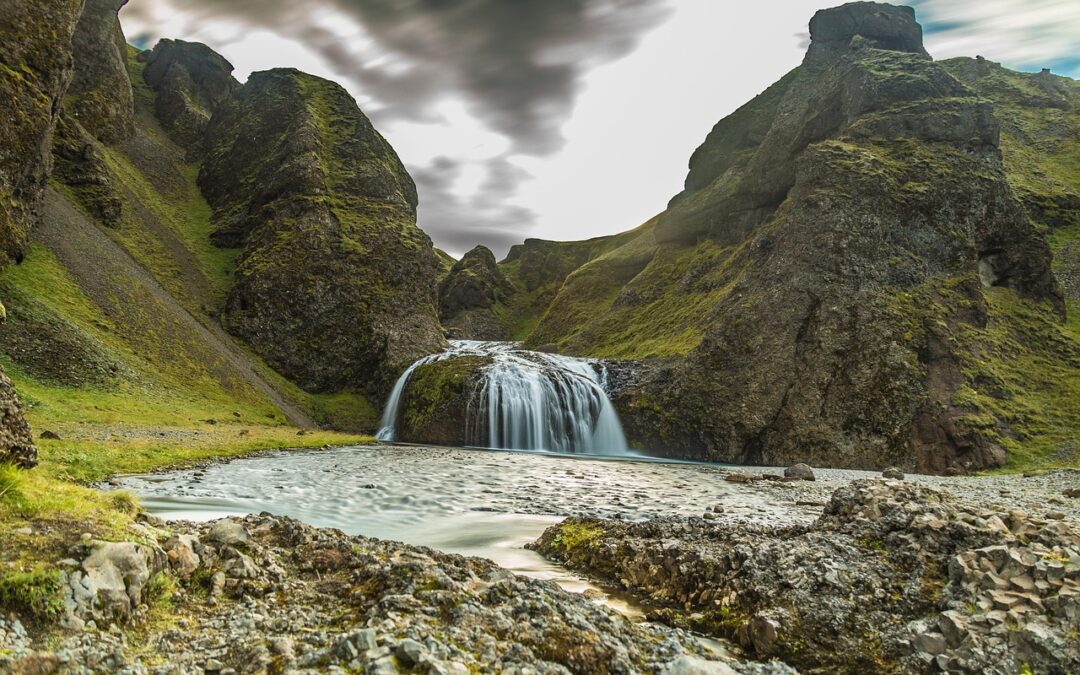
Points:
(562, 119)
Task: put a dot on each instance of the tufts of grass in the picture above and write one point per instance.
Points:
(11, 482)
(35, 593)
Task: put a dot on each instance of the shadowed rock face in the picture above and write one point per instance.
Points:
(16, 443)
(468, 295)
(335, 285)
(192, 81)
(100, 96)
(35, 52)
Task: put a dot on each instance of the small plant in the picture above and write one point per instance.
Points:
(160, 590)
(11, 481)
(125, 502)
(35, 594)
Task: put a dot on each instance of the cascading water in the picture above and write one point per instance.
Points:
(528, 401)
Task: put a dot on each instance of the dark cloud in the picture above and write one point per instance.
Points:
(517, 64)
(458, 224)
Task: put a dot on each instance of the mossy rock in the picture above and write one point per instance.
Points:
(436, 402)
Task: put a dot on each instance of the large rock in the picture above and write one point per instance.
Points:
(108, 585)
(35, 68)
(100, 95)
(192, 81)
(335, 286)
(470, 294)
(435, 403)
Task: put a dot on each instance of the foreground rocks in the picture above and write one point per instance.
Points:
(268, 594)
(892, 577)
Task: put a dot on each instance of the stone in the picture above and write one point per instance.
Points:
(50, 435)
(180, 550)
(892, 473)
(410, 652)
(799, 472)
(115, 574)
(694, 665)
(762, 633)
(931, 643)
(16, 442)
(1072, 492)
(229, 533)
(738, 477)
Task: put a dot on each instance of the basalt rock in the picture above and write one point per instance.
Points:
(35, 55)
(469, 294)
(192, 81)
(79, 164)
(100, 95)
(335, 284)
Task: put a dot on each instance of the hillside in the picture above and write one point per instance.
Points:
(873, 262)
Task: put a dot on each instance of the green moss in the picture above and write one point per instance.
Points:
(576, 535)
(433, 385)
(35, 593)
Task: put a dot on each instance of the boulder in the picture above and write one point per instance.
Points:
(229, 532)
(799, 472)
(108, 585)
(893, 473)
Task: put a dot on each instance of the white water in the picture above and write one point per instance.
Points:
(528, 401)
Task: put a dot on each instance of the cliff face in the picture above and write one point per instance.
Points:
(844, 279)
(335, 285)
(35, 69)
(100, 96)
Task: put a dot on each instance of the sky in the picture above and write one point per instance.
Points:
(562, 119)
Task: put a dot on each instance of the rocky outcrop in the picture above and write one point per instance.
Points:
(192, 81)
(35, 55)
(79, 164)
(335, 285)
(469, 296)
(100, 96)
(826, 287)
(892, 577)
(16, 442)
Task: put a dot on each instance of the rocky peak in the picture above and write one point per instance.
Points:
(191, 81)
(100, 95)
(473, 282)
(880, 25)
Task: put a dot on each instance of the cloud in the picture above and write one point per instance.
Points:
(513, 67)
(1021, 34)
(457, 222)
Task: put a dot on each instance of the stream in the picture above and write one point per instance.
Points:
(483, 503)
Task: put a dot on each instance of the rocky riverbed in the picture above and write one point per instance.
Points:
(847, 572)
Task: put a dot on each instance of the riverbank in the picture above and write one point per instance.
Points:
(893, 576)
(46, 510)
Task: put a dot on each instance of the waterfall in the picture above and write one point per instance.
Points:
(528, 401)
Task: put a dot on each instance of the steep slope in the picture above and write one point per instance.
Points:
(470, 296)
(850, 276)
(117, 311)
(335, 285)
